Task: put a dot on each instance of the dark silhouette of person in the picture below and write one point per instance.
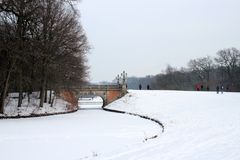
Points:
(208, 88)
(140, 86)
(201, 87)
(217, 89)
(148, 87)
(197, 87)
(227, 88)
(222, 89)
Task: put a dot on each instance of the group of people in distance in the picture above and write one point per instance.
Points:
(140, 87)
(218, 88)
(199, 87)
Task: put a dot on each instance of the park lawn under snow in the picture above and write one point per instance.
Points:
(198, 125)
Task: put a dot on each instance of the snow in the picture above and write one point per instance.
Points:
(90, 102)
(198, 125)
(87, 133)
(31, 108)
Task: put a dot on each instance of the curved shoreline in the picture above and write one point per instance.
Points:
(138, 115)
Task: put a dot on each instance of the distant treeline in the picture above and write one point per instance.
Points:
(42, 47)
(222, 70)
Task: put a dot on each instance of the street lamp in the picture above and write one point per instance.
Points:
(118, 79)
(124, 77)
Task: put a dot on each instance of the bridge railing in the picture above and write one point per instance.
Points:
(103, 87)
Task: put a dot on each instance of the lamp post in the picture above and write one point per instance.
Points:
(118, 79)
(124, 84)
(124, 77)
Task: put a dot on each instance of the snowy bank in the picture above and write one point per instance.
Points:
(31, 108)
(198, 125)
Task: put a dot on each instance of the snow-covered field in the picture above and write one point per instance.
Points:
(198, 126)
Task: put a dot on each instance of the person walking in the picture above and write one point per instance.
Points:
(217, 89)
(197, 87)
(222, 88)
(208, 88)
(148, 87)
(140, 86)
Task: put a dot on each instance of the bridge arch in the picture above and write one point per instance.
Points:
(90, 101)
(108, 93)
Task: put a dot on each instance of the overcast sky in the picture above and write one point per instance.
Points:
(143, 36)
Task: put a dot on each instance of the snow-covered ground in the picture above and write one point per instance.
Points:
(32, 107)
(90, 102)
(198, 125)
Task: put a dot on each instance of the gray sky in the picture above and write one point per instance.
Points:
(143, 36)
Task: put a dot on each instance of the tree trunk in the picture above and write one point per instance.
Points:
(52, 101)
(50, 97)
(43, 85)
(4, 93)
(41, 96)
(5, 87)
(2, 98)
(45, 94)
(28, 95)
(20, 98)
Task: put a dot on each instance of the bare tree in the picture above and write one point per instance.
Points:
(43, 43)
(19, 14)
(7, 61)
(202, 67)
(228, 60)
(61, 38)
(8, 56)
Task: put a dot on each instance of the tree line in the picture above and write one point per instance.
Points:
(208, 72)
(222, 70)
(42, 47)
